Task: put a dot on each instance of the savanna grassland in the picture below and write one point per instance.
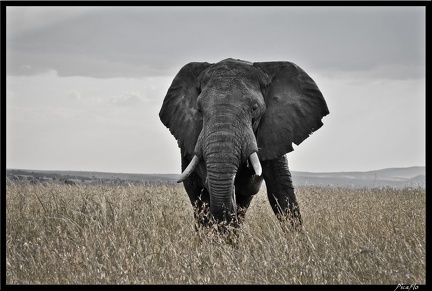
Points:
(129, 234)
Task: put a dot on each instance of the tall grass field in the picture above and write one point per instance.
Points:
(131, 234)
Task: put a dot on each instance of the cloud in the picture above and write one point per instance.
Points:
(378, 73)
(73, 95)
(128, 99)
(104, 100)
(23, 19)
(109, 42)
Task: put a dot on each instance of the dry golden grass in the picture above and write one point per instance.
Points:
(58, 234)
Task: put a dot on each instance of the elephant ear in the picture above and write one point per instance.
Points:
(179, 112)
(295, 107)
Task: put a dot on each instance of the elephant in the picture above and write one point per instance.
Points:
(234, 122)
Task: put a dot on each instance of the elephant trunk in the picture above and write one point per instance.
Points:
(221, 172)
(225, 145)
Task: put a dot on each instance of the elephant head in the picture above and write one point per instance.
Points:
(234, 115)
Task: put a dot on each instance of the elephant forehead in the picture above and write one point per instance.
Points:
(231, 79)
(233, 87)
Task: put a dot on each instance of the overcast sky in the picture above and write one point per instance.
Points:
(84, 85)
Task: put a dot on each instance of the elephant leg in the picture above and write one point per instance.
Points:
(280, 191)
(247, 184)
(243, 203)
(198, 196)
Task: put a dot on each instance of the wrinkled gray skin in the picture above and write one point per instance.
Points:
(224, 112)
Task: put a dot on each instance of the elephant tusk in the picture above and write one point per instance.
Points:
(189, 169)
(255, 163)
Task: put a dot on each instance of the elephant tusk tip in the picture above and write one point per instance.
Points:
(189, 169)
(255, 163)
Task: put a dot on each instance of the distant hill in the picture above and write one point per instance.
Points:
(86, 177)
(390, 177)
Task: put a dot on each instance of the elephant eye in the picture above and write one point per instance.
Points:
(254, 108)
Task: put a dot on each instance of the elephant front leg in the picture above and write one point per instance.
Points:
(247, 184)
(198, 196)
(243, 203)
(280, 191)
(200, 199)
